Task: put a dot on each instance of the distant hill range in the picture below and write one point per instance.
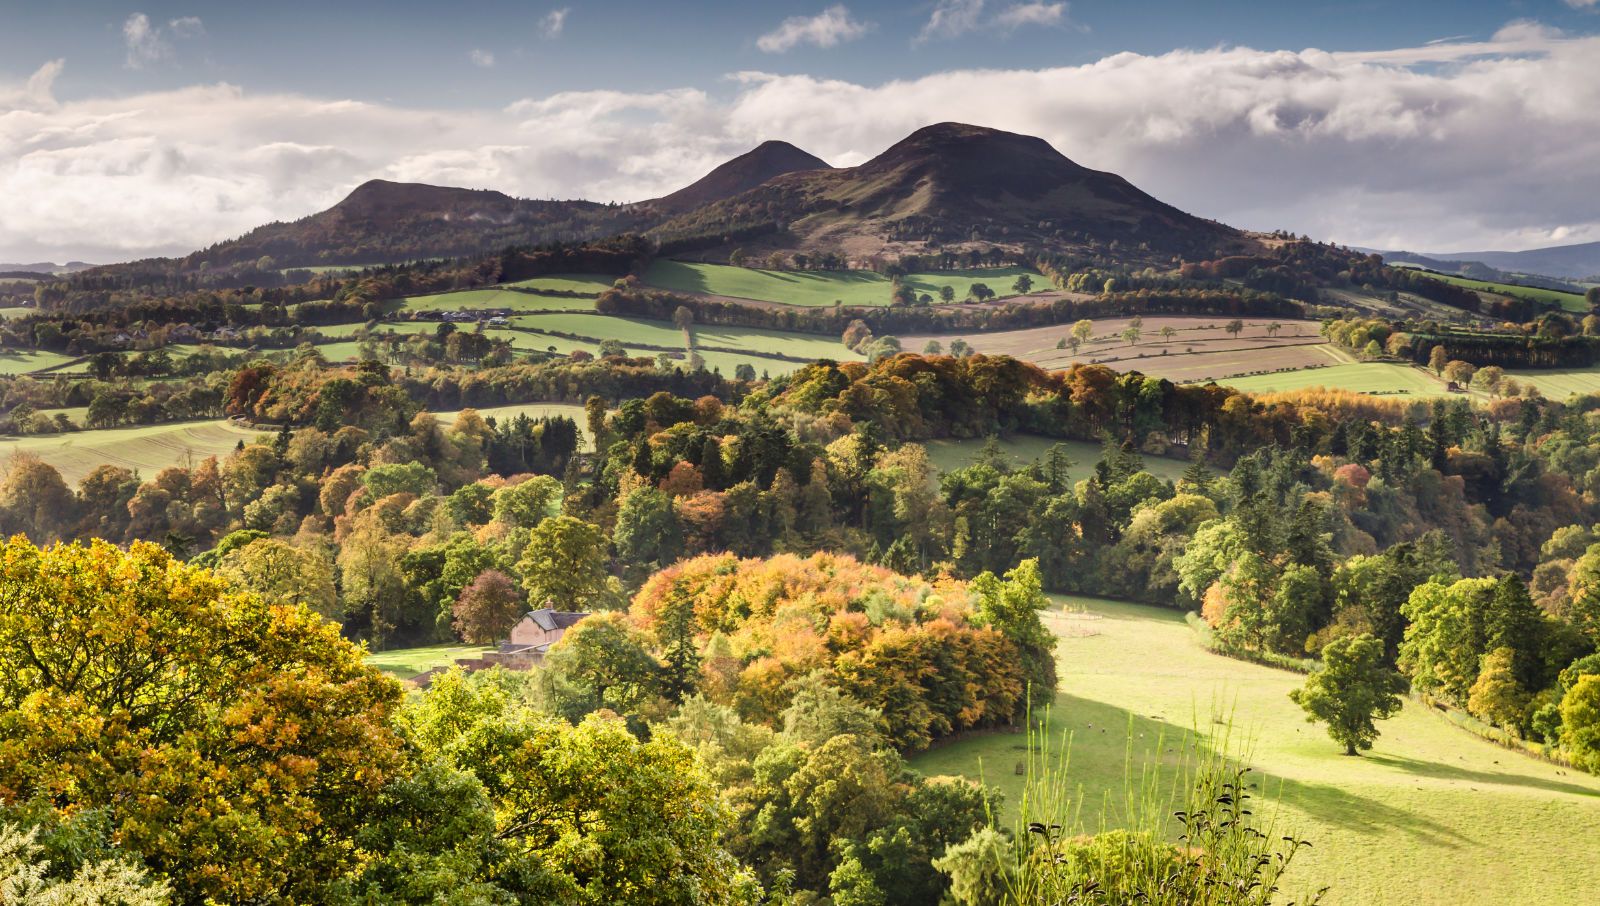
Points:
(945, 186)
(1562, 262)
(44, 268)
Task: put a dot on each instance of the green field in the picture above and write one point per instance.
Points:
(590, 284)
(1560, 383)
(147, 449)
(660, 333)
(1432, 816)
(23, 361)
(17, 311)
(495, 298)
(1568, 301)
(1022, 449)
(817, 288)
(1387, 378)
(350, 330)
(404, 663)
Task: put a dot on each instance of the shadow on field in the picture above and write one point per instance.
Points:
(1451, 772)
(1365, 815)
(1110, 748)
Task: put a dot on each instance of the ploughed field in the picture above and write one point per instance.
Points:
(1379, 378)
(1432, 816)
(1199, 349)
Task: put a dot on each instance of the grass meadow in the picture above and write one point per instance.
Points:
(146, 449)
(821, 288)
(404, 663)
(1568, 301)
(1432, 816)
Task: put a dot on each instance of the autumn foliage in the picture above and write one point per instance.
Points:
(905, 646)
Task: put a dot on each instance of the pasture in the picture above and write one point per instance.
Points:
(589, 284)
(1560, 383)
(822, 288)
(1198, 349)
(480, 299)
(757, 341)
(146, 449)
(1567, 301)
(1432, 816)
(404, 663)
(25, 361)
(1385, 378)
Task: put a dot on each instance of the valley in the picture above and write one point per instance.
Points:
(738, 546)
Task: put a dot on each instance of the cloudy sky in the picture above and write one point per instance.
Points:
(157, 128)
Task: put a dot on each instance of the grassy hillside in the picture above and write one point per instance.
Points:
(147, 449)
(1560, 383)
(1386, 378)
(820, 288)
(1432, 816)
(1568, 301)
(23, 361)
(497, 298)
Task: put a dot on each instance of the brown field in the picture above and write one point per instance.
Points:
(1200, 349)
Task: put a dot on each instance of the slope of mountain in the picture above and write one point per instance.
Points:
(743, 173)
(951, 184)
(384, 221)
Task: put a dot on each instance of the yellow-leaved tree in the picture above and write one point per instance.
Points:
(235, 744)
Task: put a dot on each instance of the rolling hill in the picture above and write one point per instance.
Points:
(382, 222)
(743, 173)
(953, 183)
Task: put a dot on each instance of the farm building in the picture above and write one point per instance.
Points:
(532, 637)
(525, 648)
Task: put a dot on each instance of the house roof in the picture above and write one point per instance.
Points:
(548, 619)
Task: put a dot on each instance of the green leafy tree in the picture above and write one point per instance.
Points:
(1013, 607)
(28, 877)
(1353, 689)
(1580, 723)
(602, 662)
(586, 815)
(1496, 696)
(564, 566)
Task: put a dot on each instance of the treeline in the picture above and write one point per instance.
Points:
(633, 300)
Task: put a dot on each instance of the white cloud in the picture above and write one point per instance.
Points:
(1583, 4)
(1484, 145)
(829, 28)
(951, 18)
(147, 43)
(1041, 15)
(481, 58)
(554, 21)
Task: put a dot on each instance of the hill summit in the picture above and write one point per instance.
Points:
(953, 183)
(745, 172)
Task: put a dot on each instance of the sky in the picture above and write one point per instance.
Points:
(136, 128)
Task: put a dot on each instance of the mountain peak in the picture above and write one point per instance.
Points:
(767, 160)
(951, 184)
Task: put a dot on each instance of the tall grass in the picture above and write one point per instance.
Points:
(1186, 834)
